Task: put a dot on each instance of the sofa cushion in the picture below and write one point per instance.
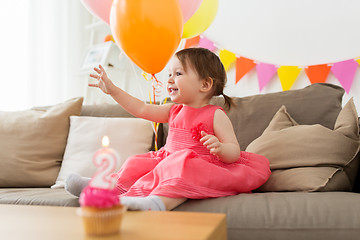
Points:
(33, 143)
(38, 196)
(128, 136)
(308, 157)
(318, 103)
(290, 215)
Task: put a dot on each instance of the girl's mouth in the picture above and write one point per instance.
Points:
(173, 90)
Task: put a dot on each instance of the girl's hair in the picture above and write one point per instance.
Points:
(207, 65)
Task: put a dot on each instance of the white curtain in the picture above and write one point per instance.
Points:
(42, 44)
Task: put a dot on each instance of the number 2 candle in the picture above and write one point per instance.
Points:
(106, 160)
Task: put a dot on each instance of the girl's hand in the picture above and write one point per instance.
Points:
(104, 83)
(211, 142)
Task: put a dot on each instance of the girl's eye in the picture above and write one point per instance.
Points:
(178, 73)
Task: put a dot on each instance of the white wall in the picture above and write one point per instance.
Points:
(282, 32)
(41, 47)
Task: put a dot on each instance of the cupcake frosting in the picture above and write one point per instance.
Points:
(99, 198)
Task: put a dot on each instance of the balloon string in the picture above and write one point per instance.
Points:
(157, 88)
(157, 85)
(155, 124)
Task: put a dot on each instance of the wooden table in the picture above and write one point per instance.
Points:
(18, 222)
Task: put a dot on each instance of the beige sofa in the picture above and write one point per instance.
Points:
(313, 192)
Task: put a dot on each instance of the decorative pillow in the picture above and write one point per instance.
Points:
(33, 143)
(128, 136)
(309, 157)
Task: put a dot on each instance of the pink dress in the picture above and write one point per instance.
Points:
(184, 168)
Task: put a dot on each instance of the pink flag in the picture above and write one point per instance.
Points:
(345, 71)
(206, 43)
(265, 73)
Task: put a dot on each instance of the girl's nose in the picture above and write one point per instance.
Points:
(170, 79)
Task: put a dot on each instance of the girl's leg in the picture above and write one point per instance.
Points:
(153, 203)
(171, 203)
(74, 184)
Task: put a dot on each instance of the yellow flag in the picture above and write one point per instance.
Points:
(227, 58)
(288, 75)
(358, 60)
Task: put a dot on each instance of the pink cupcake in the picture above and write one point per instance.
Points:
(101, 211)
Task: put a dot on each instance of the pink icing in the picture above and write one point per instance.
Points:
(97, 197)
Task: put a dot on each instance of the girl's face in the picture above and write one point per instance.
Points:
(183, 86)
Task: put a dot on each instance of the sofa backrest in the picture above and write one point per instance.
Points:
(314, 104)
(318, 103)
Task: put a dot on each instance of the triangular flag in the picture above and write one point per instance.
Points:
(192, 41)
(206, 43)
(358, 61)
(317, 73)
(345, 72)
(243, 66)
(227, 58)
(265, 72)
(288, 75)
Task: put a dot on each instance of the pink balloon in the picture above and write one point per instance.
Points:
(99, 8)
(189, 7)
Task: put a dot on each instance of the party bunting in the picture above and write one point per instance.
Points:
(318, 73)
(227, 58)
(265, 72)
(345, 72)
(288, 75)
(243, 66)
(192, 41)
(206, 43)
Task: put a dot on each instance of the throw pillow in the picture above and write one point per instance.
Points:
(128, 136)
(309, 157)
(33, 143)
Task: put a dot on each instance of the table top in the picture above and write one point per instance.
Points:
(46, 222)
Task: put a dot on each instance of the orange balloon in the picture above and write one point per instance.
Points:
(149, 32)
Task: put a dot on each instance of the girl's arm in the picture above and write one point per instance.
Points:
(134, 106)
(224, 144)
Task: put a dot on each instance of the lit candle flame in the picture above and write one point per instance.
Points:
(105, 141)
